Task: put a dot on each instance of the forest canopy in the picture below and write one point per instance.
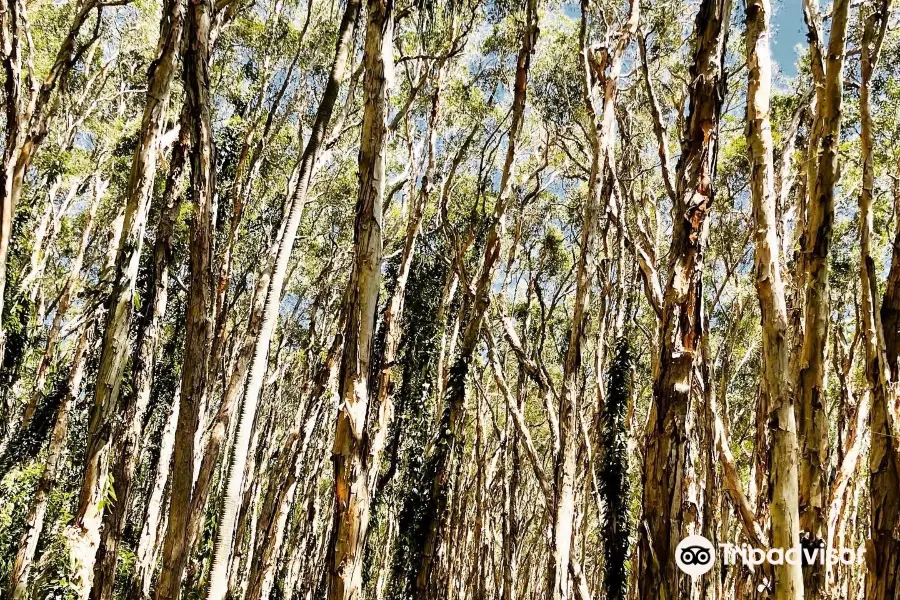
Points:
(433, 299)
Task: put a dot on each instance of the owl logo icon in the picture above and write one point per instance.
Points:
(695, 555)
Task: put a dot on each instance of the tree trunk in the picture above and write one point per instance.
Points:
(883, 549)
(816, 243)
(219, 428)
(198, 330)
(673, 501)
(121, 302)
(155, 518)
(782, 461)
(613, 474)
(219, 573)
(890, 305)
(357, 444)
(127, 433)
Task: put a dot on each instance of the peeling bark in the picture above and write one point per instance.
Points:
(356, 450)
(822, 176)
(782, 435)
(883, 548)
(128, 430)
(200, 304)
(674, 487)
(121, 302)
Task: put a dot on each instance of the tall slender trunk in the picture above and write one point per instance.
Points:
(511, 534)
(440, 468)
(198, 330)
(280, 497)
(219, 573)
(34, 522)
(890, 305)
(137, 200)
(883, 549)
(248, 513)
(673, 502)
(613, 474)
(247, 172)
(127, 433)
(822, 178)
(782, 461)
(362, 425)
(233, 389)
(601, 73)
(155, 518)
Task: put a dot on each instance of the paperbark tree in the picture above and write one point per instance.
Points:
(432, 493)
(137, 199)
(883, 549)
(365, 452)
(782, 462)
(822, 176)
(673, 502)
(357, 444)
(219, 572)
(200, 305)
(441, 466)
(127, 433)
(155, 519)
(352, 445)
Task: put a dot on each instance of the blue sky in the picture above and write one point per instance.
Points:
(789, 31)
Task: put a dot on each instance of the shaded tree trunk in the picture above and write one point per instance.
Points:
(155, 518)
(128, 431)
(673, 501)
(198, 330)
(822, 174)
(613, 474)
(883, 549)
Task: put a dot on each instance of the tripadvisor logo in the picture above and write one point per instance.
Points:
(695, 555)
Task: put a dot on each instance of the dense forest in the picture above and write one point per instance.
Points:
(448, 299)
